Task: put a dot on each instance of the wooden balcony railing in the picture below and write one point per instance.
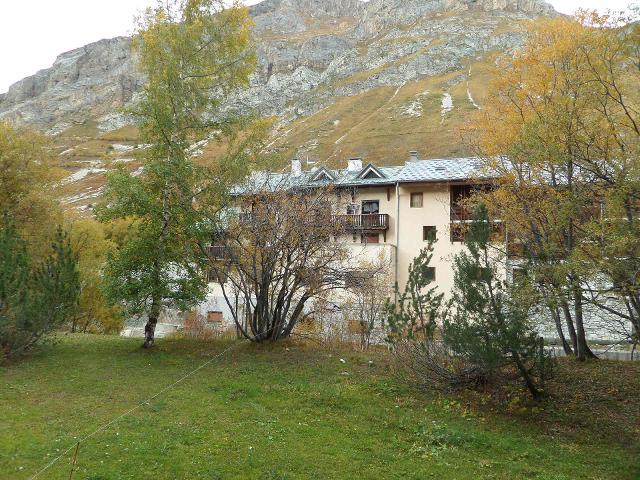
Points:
(459, 213)
(373, 221)
(216, 252)
(458, 231)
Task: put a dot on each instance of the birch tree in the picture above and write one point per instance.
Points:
(193, 53)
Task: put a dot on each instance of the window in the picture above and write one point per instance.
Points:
(353, 209)
(370, 238)
(431, 274)
(216, 276)
(416, 200)
(370, 207)
(458, 231)
(460, 194)
(214, 317)
(428, 232)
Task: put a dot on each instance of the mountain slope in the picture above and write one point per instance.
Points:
(341, 77)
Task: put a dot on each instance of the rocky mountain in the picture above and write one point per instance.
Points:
(341, 78)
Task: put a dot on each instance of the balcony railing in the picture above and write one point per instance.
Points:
(373, 221)
(216, 252)
(459, 213)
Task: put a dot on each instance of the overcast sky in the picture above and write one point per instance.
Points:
(34, 32)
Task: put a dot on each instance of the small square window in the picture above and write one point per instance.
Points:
(428, 232)
(431, 274)
(370, 238)
(370, 207)
(416, 200)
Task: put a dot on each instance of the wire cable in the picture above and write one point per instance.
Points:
(130, 411)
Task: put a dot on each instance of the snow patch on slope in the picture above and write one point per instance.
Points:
(447, 104)
(81, 174)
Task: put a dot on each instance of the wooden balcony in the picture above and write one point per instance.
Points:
(357, 223)
(459, 213)
(216, 252)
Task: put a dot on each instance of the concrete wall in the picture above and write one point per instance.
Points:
(434, 212)
(409, 242)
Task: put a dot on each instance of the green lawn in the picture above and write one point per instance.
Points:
(279, 412)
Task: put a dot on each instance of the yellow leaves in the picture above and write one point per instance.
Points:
(568, 81)
(187, 50)
(26, 186)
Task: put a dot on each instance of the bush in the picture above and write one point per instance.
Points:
(430, 364)
(34, 299)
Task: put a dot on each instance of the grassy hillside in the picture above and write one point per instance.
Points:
(293, 411)
(380, 125)
(383, 124)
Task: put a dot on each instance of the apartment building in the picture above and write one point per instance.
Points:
(388, 211)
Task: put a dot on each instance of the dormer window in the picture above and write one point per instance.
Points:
(370, 172)
(324, 175)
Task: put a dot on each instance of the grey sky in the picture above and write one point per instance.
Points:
(34, 32)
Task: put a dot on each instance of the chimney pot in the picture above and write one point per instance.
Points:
(354, 164)
(413, 155)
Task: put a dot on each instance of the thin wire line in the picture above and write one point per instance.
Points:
(131, 410)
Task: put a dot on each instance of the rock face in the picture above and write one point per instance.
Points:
(84, 83)
(311, 53)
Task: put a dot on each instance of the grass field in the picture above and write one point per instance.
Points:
(281, 412)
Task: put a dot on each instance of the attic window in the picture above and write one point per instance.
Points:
(370, 172)
(322, 174)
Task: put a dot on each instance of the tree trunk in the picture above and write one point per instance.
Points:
(570, 326)
(526, 375)
(583, 351)
(556, 318)
(152, 321)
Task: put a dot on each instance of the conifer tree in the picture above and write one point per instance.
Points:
(416, 311)
(34, 299)
(487, 323)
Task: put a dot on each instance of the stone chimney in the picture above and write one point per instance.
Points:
(354, 164)
(296, 167)
(413, 156)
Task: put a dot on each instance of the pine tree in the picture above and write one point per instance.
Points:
(34, 300)
(416, 311)
(487, 322)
